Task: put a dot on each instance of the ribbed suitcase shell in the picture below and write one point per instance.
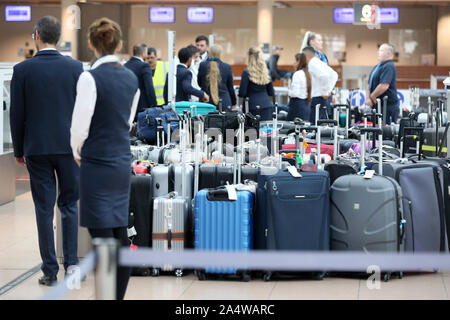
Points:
(223, 225)
(169, 210)
(366, 214)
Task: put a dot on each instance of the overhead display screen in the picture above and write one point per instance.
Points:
(200, 14)
(18, 13)
(346, 15)
(162, 14)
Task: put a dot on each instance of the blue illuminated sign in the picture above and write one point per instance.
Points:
(162, 14)
(18, 13)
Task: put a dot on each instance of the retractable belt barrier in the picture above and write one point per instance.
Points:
(264, 260)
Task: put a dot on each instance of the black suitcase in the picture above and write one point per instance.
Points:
(140, 215)
(216, 175)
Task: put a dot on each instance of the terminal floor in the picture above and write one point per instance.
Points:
(19, 252)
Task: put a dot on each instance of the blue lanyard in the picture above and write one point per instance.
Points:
(373, 74)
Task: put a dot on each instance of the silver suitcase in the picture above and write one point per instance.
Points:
(170, 220)
(84, 238)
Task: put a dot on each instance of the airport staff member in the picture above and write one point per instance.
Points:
(216, 78)
(323, 80)
(314, 40)
(43, 91)
(276, 73)
(184, 78)
(382, 82)
(202, 43)
(160, 69)
(143, 72)
(106, 102)
(257, 85)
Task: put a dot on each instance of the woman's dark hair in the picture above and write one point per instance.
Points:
(105, 35)
(300, 58)
(49, 29)
(151, 50)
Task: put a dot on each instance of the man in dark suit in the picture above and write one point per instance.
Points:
(144, 73)
(43, 91)
(184, 78)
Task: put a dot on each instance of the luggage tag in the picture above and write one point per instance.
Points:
(131, 232)
(369, 174)
(232, 194)
(293, 171)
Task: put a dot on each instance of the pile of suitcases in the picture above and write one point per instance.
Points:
(281, 185)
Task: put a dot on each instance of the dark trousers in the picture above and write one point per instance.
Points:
(298, 108)
(323, 112)
(392, 114)
(42, 169)
(123, 273)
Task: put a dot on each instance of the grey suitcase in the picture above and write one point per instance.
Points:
(168, 178)
(84, 239)
(422, 185)
(367, 214)
(170, 223)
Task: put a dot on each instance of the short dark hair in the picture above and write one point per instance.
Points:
(193, 48)
(202, 38)
(309, 49)
(139, 49)
(151, 50)
(184, 54)
(49, 29)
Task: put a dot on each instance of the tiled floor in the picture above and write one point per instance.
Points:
(19, 252)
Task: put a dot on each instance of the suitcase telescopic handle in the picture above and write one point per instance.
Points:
(324, 121)
(372, 130)
(347, 106)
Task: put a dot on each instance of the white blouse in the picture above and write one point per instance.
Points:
(323, 78)
(298, 88)
(85, 107)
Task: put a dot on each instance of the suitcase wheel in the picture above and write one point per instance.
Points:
(267, 276)
(400, 275)
(387, 277)
(201, 275)
(245, 276)
(155, 272)
(179, 272)
(320, 276)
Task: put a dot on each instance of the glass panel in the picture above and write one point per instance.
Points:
(5, 75)
(414, 47)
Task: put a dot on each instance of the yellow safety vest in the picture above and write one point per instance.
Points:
(159, 78)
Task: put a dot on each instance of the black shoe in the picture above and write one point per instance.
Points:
(48, 281)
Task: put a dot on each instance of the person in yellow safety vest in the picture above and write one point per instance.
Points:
(160, 70)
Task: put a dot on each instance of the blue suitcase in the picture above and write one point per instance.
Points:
(222, 224)
(293, 213)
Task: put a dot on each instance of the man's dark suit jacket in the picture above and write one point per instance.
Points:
(143, 72)
(43, 92)
(184, 85)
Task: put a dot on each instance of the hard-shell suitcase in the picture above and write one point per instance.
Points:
(170, 224)
(201, 108)
(223, 224)
(423, 202)
(367, 213)
(140, 216)
(168, 178)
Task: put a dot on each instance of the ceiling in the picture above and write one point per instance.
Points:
(292, 3)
